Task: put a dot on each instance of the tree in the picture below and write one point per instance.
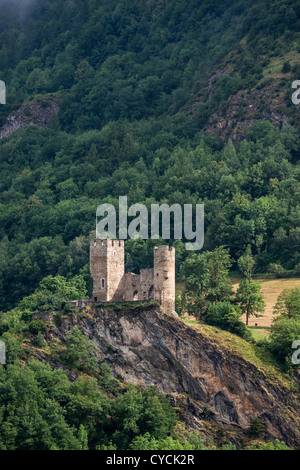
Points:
(277, 269)
(83, 438)
(148, 442)
(54, 124)
(92, 157)
(53, 291)
(246, 264)
(137, 413)
(284, 332)
(286, 68)
(249, 299)
(79, 352)
(206, 280)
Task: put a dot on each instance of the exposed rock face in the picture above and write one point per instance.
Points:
(36, 114)
(242, 108)
(150, 348)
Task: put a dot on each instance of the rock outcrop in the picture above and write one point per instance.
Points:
(265, 102)
(202, 376)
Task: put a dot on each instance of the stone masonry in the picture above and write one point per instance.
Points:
(112, 284)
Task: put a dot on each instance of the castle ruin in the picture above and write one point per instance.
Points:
(112, 284)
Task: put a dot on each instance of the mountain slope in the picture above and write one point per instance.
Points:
(207, 372)
(169, 101)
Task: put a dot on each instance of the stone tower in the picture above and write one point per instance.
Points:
(164, 278)
(107, 269)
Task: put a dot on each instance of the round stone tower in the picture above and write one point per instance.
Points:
(164, 278)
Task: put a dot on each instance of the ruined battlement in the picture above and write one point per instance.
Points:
(112, 284)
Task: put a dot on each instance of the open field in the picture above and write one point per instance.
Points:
(271, 288)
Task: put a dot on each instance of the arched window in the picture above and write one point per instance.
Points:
(102, 283)
(135, 295)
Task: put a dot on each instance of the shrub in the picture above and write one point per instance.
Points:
(277, 269)
(284, 332)
(256, 428)
(226, 316)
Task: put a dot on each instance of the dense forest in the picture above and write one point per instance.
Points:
(127, 76)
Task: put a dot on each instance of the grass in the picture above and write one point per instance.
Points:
(274, 68)
(259, 332)
(127, 306)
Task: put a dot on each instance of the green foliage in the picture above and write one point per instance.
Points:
(284, 332)
(277, 269)
(249, 299)
(286, 68)
(53, 292)
(288, 304)
(83, 438)
(13, 347)
(37, 326)
(207, 280)
(246, 264)
(285, 329)
(79, 352)
(41, 409)
(142, 412)
(228, 446)
(147, 442)
(277, 445)
(256, 428)
(126, 75)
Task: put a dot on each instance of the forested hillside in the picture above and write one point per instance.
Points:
(164, 101)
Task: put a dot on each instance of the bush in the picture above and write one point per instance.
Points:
(37, 326)
(284, 332)
(226, 316)
(277, 269)
(277, 445)
(39, 341)
(256, 428)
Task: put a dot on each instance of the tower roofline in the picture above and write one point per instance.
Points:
(106, 242)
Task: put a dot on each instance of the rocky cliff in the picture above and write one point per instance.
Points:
(242, 108)
(206, 379)
(34, 114)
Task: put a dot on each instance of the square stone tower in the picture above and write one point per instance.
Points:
(107, 269)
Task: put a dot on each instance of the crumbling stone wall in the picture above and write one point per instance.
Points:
(112, 284)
